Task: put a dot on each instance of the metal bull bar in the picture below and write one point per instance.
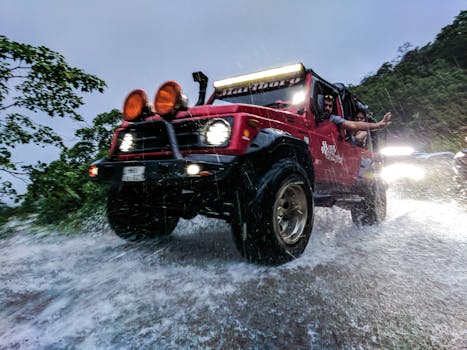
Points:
(173, 140)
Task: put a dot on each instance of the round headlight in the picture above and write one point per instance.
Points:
(217, 132)
(127, 142)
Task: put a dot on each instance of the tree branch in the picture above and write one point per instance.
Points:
(6, 107)
(16, 174)
(19, 67)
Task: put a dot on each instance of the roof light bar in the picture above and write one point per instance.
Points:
(275, 72)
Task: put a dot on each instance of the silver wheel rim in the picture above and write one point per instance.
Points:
(290, 212)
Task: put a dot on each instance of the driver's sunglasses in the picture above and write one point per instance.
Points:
(329, 97)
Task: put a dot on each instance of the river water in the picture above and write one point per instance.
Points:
(401, 285)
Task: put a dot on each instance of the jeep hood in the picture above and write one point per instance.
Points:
(207, 110)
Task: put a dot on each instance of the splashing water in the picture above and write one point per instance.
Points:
(401, 284)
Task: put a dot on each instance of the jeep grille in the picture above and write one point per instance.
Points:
(152, 136)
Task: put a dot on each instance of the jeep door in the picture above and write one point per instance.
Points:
(328, 149)
(327, 140)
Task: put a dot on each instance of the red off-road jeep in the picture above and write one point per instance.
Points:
(257, 154)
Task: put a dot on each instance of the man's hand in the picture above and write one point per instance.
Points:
(386, 120)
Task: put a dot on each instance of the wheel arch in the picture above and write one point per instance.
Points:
(272, 145)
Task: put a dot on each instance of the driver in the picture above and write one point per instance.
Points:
(352, 125)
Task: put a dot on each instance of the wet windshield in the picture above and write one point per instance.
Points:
(279, 97)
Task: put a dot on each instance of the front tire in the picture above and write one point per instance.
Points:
(275, 226)
(132, 218)
(372, 210)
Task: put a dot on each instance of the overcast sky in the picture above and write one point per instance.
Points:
(142, 43)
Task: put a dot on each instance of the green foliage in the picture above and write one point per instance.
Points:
(425, 89)
(60, 190)
(32, 80)
(7, 213)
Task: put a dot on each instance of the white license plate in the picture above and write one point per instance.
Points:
(133, 173)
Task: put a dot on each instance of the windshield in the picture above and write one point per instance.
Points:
(278, 97)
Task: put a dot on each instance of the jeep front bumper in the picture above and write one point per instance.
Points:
(189, 171)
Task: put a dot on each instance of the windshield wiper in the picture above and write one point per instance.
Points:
(278, 104)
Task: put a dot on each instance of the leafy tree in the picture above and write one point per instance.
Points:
(35, 80)
(61, 188)
(424, 89)
(451, 42)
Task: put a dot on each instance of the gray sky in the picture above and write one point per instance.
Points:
(142, 43)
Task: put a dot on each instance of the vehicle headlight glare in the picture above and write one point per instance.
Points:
(398, 171)
(298, 98)
(217, 132)
(193, 169)
(397, 151)
(128, 142)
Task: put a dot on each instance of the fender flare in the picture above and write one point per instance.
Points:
(271, 144)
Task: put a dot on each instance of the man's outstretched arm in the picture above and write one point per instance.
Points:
(354, 125)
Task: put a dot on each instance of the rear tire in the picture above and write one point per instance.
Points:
(372, 210)
(275, 226)
(133, 219)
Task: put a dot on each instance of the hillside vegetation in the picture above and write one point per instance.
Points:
(425, 89)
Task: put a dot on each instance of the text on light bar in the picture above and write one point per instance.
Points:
(294, 68)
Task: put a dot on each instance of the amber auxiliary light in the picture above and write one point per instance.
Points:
(134, 105)
(169, 98)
